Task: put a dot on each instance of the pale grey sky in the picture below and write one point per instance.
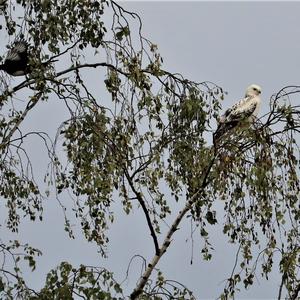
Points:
(230, 43)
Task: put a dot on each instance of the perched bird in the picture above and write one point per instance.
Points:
(16, 61)
(245, 111)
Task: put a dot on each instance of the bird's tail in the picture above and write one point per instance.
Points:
(221, 130)
(217, 134)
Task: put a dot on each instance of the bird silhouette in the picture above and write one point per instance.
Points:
(16, 61)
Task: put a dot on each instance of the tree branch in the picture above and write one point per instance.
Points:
(167, 241)
(296, 292)
(29, 106)
(143, 205)
(103, 64)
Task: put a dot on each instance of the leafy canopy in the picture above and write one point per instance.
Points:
(138, 135)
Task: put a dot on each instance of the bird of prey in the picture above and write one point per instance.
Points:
(16, 61)
(245, 111)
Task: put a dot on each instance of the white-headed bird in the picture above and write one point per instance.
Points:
(245, 111)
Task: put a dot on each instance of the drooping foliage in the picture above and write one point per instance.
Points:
(135, 134)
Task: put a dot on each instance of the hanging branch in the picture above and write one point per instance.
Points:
(174, 227)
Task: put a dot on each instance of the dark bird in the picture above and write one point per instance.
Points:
(16, 61)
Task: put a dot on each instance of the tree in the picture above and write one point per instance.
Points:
(143, 141)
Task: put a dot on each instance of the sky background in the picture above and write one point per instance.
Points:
(232, 44)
